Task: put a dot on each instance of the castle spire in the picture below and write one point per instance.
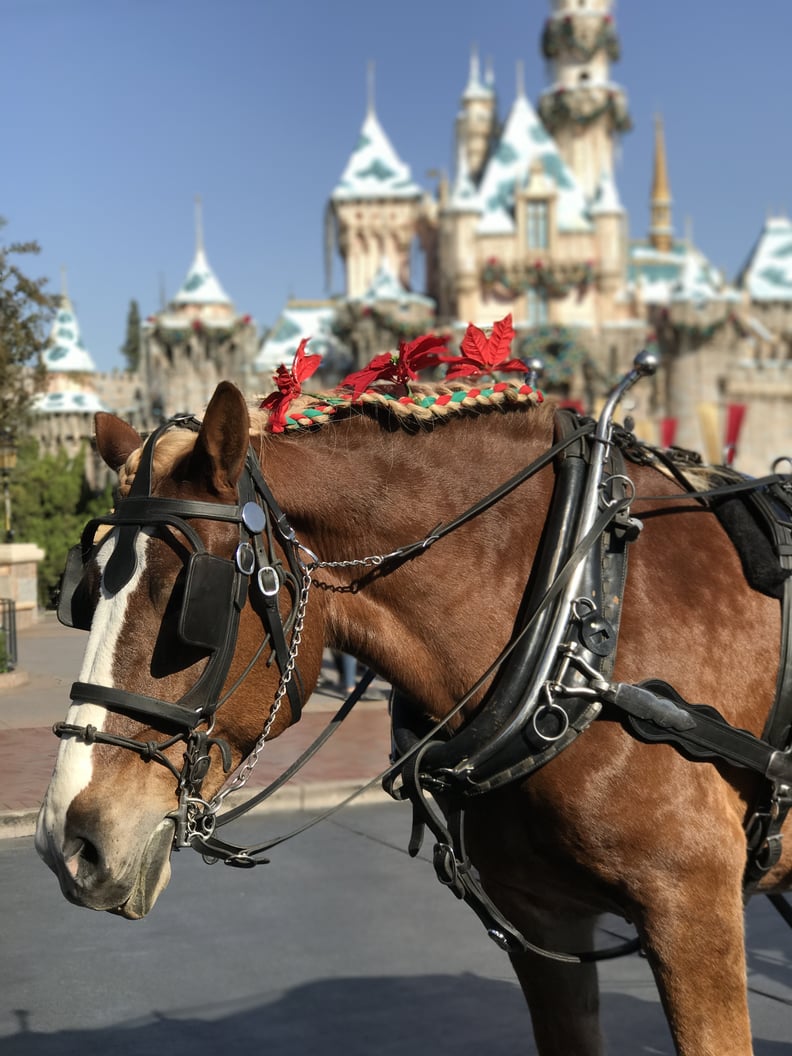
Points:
(661, 231)
(520, 79)
(370, 96)
(199, 241)
(474, 77)
(583, 109)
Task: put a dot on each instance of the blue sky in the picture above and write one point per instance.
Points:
(118, 112)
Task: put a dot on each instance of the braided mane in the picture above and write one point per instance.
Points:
(425, 405)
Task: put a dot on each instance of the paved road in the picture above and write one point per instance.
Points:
(341, 947)
(51, 657)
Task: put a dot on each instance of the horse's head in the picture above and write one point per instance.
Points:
(186, 588)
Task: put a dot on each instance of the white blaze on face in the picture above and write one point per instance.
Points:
(74, 766)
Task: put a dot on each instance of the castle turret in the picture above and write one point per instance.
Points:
(376, 207)
(583, 109)
(477, 123)
(197, 340)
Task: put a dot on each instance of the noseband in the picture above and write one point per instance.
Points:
(216, 591)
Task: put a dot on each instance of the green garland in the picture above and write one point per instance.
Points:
(555, 281)
(170, 335)
(346, 323)
(557, 110)
(559, 37)
(559, 349)
(700, 334)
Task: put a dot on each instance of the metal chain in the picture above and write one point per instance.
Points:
(362, 562)
(286, 676)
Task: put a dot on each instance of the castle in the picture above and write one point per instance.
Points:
(529, 224)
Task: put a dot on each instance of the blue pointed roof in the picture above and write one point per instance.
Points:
(525, 140)
(300, 319)
(374, 169)
(201, 285)
(767, 274)
(66, 351)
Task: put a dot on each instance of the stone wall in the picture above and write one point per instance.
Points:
(19, 579)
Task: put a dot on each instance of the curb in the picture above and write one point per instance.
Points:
(13, 679)
(319, 795)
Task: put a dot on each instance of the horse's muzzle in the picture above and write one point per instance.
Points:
(87, 879)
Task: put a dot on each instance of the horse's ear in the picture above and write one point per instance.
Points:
(115, 439)
(222, 443)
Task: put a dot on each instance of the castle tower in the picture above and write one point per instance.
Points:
(661, 234)
(65, 353)
(583, 110)
(477, 121)
(196, 341)
(458, 271)
(376, 208)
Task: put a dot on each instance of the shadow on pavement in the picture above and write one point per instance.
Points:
(467, 1015)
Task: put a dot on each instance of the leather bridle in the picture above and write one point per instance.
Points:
(255, 571)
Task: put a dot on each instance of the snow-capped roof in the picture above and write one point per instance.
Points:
(201, 285)
(476, 87)
(767, 275)
(523, 141)
(66, 352)
(606, 200)
(698, 282)
(681, 274)
(313, 320)
(374, 169)
(67, 403)
(464, 197)
(385, 286)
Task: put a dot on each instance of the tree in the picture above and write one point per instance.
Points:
(25, 310)
(130, 349)
(52, 503)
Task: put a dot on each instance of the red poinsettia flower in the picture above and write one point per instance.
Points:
(400, 367)
(480, 354)
(289, 384)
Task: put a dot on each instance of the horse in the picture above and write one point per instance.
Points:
(351, 557)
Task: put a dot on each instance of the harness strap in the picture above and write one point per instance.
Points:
(455, 871)
(332, 726)
(136, 705)
(658, 714)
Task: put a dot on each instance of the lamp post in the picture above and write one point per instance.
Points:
(8, 460)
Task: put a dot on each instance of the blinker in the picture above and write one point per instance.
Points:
(75, 608)
(208, 600)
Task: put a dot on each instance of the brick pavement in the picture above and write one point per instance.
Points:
(49, 660)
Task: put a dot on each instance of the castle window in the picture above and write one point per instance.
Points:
(536, 304)
(536, 225)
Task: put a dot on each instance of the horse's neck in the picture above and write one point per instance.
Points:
(354, 491)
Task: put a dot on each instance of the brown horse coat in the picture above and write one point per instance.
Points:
(610, 825)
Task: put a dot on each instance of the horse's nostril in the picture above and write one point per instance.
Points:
(79, 852)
